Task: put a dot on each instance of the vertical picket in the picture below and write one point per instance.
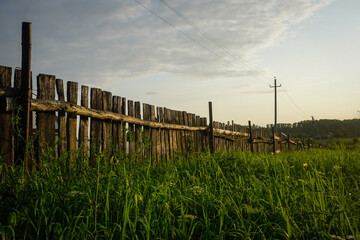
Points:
(138, 132)
(147, 144)
(62, 146)
(84, 124)
(153, 134)
(6, 139)
(95, 125)
(158, 136)
(72, 95)
(123, 127)
(131, 131)
(107, 125)
(162, 134)
(45, 120)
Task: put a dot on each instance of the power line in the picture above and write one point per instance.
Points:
(213, 40)
(297, 106)
(186, 35)
(191, 38)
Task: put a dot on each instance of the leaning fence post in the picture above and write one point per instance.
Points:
(251, 140)
(211, 129)
(25, 91)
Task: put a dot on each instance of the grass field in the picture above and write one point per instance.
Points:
(310, 194)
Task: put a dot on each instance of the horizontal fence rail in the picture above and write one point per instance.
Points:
(91, 120)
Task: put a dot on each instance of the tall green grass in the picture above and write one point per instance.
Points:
(299, 195)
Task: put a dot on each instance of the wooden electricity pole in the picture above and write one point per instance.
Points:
(275, 87)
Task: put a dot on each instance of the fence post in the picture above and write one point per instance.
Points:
(251, 140)
(25, 91)
(211, 129)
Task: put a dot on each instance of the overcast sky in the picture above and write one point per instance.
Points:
(182, 54)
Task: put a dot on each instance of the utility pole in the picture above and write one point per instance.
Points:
(275, 86)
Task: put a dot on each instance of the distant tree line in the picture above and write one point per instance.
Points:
(324, 128)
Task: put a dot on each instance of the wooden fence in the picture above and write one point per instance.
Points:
(101, 122)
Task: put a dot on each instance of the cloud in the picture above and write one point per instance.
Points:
(88, 39)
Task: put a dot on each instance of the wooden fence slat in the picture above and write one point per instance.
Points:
(162, 134)
(158, 137)
(153, 134)
(107, 125)
(84, 124)
(186, 137)
(191, 134)
(131, 130)
(178, 132)
(173, 132)
(123, 127)
(20, 154)
(211, 129)
(72, 95)
(116, 126)
(45, 120)
(182, 134)
(147, 134)
(138, 133)
(95, 125)
(169, 139)
(6, 139)
(62, 146)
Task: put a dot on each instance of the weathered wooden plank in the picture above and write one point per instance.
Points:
(107, 124)
(116, 126)
(182, 134)
(197, 134)
(62, 146)
(6, 139)
(138, 134)
(169, 148)
(153, 134)
(186, 137)
(162, 134)
(158, 137)
(191, 134)
(123, 127)
(95, 125)
(147, 134)
(211, 129)
(178, 132)
(72, 95)
(20, 142)
(84, 125)
(173, 132)
(45, 120)
(131, 130)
